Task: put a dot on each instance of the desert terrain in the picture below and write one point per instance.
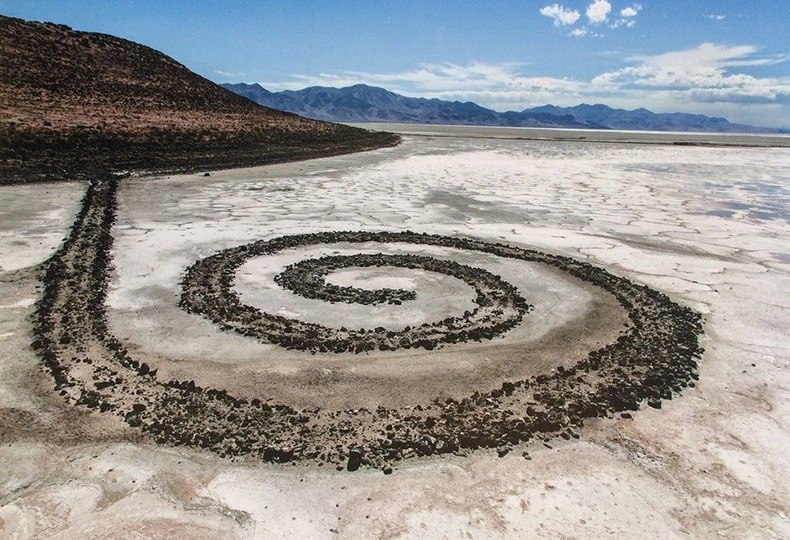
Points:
(708, 226)
(74, 104)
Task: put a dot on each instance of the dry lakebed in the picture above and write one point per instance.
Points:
(470, 335)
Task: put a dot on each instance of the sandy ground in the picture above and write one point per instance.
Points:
(708, 226)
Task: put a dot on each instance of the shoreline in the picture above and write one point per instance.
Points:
(60, 159)
(671, 138)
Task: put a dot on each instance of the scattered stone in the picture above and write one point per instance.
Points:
(354, 460)
(654, 402)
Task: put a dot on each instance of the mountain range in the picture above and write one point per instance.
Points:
(363, 103)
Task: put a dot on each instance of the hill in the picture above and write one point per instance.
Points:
(75, 101)
(362, 103)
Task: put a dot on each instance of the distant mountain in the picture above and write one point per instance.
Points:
(362, 103)
(72, 101)
(644, 120)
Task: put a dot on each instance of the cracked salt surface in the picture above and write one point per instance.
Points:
(33, 221)
(710, 464)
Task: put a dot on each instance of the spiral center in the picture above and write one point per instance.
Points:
(308, 278)
(365, 354)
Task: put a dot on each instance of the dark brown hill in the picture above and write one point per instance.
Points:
(74, 102)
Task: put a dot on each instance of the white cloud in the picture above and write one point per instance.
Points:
(628, 23)
(560, 15)
(583, 32)
(229, 74)
(631, 11)
(703, 74)
(705, 79)
(500, 86)
(598, 11)
(716, 17)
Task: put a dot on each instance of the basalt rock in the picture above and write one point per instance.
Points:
(657, 354)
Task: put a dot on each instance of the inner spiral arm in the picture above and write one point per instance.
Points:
(308, 278)
(208, 290)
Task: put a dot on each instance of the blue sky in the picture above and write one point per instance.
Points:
(722, 58)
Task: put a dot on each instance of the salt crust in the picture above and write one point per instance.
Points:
(709, 464)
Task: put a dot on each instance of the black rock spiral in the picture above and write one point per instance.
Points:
(655, 358)
(207, 290)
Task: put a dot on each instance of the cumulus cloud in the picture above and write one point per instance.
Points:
(598, 11)
(704, 74)
(500, 86)
(597, 14)
(631, 11)
(560, 15)
(627, 16)
(716, 17)
(707, 79)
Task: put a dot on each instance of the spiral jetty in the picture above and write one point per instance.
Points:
(655, 359)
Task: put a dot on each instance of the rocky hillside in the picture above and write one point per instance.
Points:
(74, 101)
